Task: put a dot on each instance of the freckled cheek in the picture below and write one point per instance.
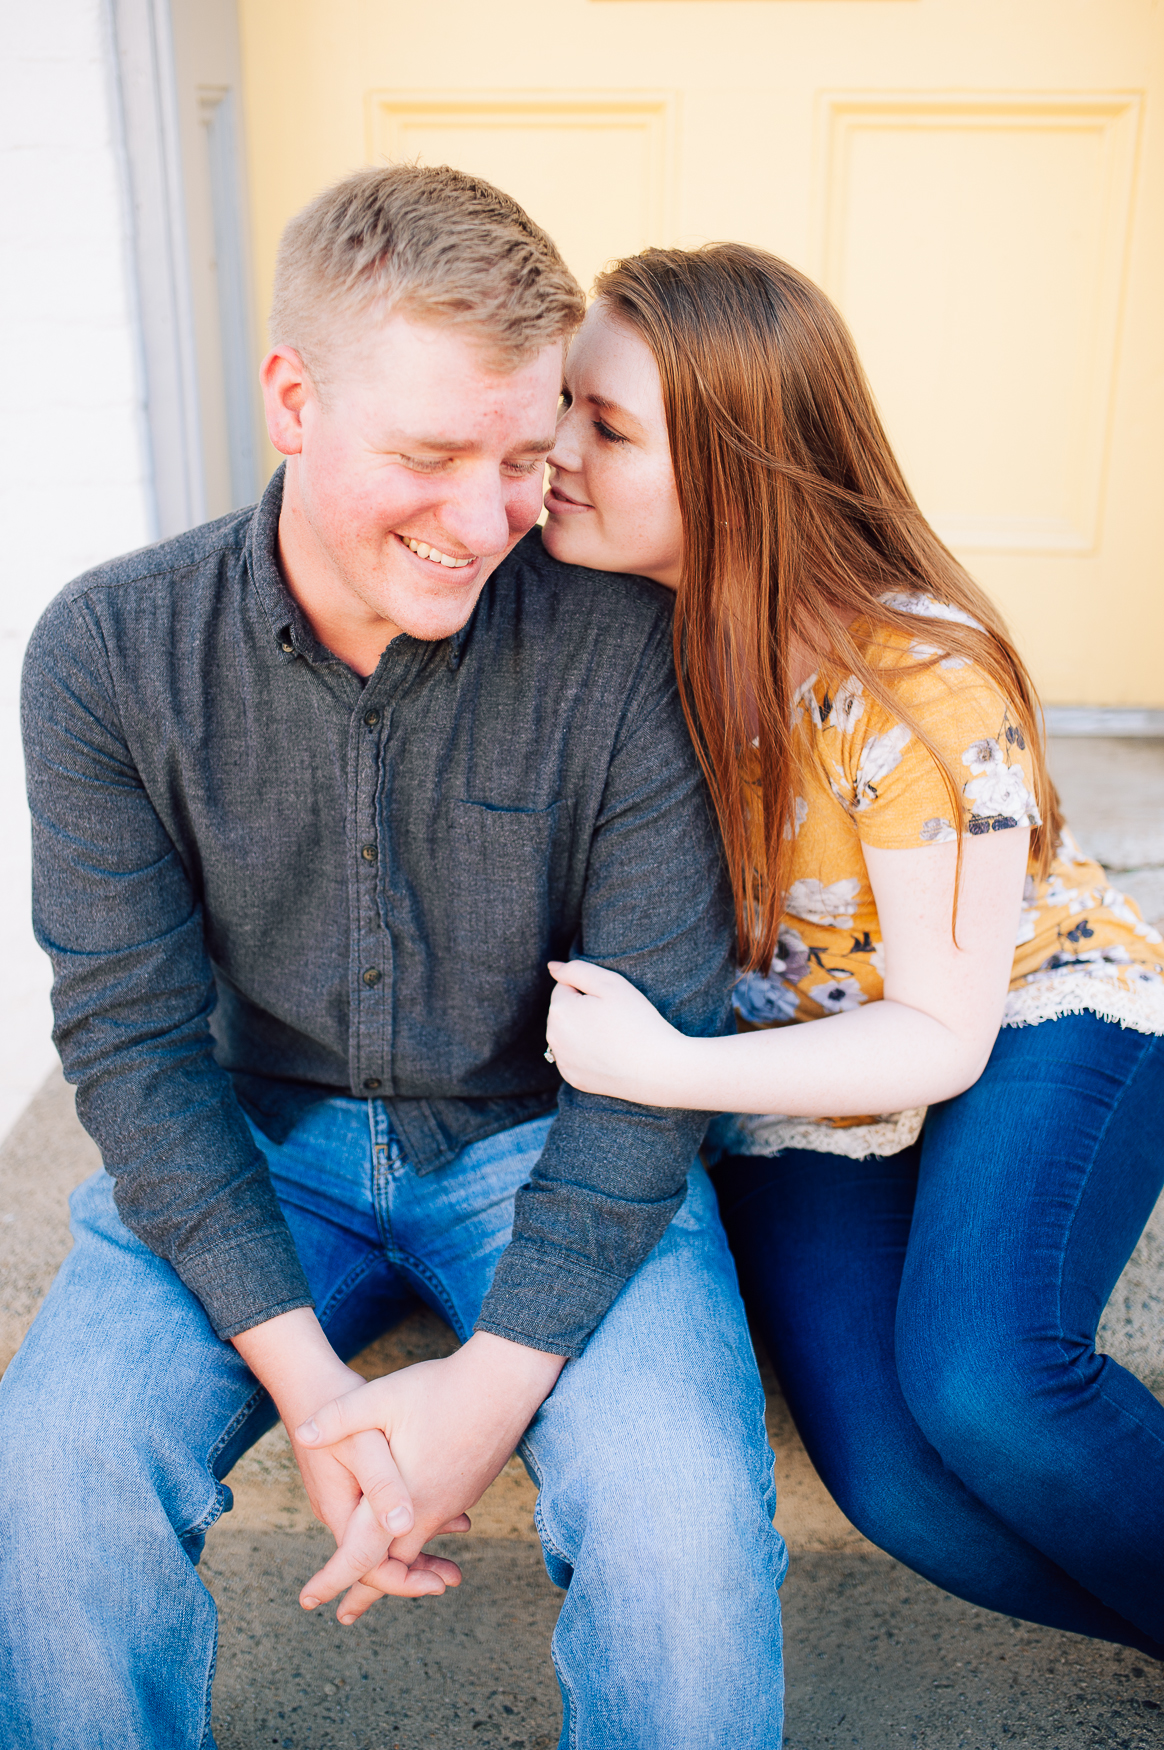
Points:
(383, 507)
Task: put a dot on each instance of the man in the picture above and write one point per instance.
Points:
(317, 790)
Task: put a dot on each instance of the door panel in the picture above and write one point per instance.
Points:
(977, 245)
(978, 183)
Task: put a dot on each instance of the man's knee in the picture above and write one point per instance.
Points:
(683, 1489)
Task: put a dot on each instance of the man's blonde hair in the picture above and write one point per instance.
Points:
(436, 245)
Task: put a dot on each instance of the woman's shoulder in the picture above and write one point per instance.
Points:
(921, 671)
(875, 735)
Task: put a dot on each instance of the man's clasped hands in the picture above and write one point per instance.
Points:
(391, 1462)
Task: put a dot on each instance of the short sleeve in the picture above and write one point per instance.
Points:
(885, 777)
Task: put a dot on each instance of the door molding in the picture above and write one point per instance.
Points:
(1108, 125)
(146, 93)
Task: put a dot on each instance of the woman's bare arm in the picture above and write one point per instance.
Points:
(928, 1040)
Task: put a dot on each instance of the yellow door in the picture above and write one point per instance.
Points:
(978, 183)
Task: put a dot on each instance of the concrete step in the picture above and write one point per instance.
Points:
(1112, 792)
(875, 1656)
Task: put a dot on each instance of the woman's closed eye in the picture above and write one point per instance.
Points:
(607, 435)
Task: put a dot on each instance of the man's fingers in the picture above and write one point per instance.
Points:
(375, 1470)
(461, 1523)
(358, 1410)
(363, 1548)
(427, 1577)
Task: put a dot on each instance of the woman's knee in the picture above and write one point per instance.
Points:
(981, 1395)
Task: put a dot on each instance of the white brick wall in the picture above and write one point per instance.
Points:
(73, 482)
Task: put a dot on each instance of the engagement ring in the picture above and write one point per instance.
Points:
(549, 1055)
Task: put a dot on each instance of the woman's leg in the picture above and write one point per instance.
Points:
(820, 1242)
(1034, 1187)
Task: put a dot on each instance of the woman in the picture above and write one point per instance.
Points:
(946, 1183)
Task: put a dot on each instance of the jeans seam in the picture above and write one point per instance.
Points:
(1073, 1366)
(236, 1422)
(345, 1288)
(207, 1694)
(568, 1691)
(547, 1542)
(406, 1261)
(525, 1452)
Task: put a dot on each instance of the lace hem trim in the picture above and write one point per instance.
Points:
(768, 1134)
(1140, 1006)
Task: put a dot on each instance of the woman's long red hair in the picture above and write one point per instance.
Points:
(796, 518)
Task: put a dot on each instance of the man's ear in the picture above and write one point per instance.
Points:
(286, 388)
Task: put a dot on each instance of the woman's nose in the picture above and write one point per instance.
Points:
(564, 454)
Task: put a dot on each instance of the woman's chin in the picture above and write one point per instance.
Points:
(568, 543)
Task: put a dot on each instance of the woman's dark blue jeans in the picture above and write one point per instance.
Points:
(932, 1319)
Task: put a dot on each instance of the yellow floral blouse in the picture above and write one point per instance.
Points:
(865, 780)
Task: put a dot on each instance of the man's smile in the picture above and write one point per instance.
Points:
(434, 556)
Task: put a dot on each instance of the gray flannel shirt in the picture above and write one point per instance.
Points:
(263, 880)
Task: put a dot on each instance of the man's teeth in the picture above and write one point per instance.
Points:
(424, 551)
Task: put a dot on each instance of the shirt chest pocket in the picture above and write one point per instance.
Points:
(505, 880)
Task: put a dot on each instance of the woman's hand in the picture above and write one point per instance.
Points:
(928, 1040)
(608, 1039)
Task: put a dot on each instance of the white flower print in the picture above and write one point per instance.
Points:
(848, 704)
(1029, 920)
(878, 757)
(1068, 849)
(804, 699)
(817, 904)
(877, 960)
(1057, 892)
(839, 994)
(923, 652)
(997, 790)
(800, 815)
(1119, 908)
(1093, 962)
(926, 608)
(936, 831)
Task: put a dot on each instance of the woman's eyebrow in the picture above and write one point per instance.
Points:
(620, 412)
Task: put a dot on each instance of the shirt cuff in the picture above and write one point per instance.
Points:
(247, 1279)
(546, 1299)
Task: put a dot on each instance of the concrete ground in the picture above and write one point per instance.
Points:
(876, 1657)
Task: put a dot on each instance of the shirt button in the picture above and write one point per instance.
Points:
(371, 1083)
(372, 975)
(289, 648)
(371, 718)
(368, 852)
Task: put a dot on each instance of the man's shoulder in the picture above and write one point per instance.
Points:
(163, 562)
(596, 602)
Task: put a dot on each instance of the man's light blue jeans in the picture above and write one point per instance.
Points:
(122, 1415)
